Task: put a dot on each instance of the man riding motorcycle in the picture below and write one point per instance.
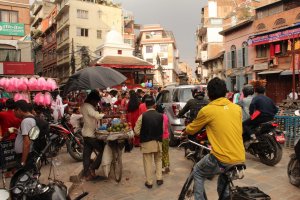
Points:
(195, 104)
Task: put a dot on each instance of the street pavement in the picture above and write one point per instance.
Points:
(271, 180)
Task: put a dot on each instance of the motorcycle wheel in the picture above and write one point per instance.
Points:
(270, 152)
(75, 150)
(293, 171)
(187, 191)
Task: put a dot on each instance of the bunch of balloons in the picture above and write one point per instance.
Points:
(147, 84)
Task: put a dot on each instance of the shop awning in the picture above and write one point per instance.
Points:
(288, 72)
(275, 35)
(270, 72)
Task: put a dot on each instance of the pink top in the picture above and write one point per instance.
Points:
(166, 127)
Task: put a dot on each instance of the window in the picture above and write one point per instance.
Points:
(233, 56)
(8, 16)
(82, 14)
(99, 34)
(82, 32)
(120, 52)
(150, 60)
(261, 51)
(279, 22)
(10, 55)
(164, 61)
(245, 54)
(164, 48)
(149, 49)
(260, 26)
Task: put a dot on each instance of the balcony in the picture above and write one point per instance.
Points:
(63, 60)
(63, 44)
(62, 10)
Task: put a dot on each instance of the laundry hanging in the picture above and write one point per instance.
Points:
(277, 48)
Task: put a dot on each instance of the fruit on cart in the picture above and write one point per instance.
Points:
(118, 127)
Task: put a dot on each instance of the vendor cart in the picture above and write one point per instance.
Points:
(115, 143)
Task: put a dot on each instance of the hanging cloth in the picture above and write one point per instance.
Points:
(272, 50)
(289, 47)
(297, 45)
(277, 48)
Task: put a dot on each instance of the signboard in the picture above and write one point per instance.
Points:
(14, 29)
(260, 66)
(17, 68)
(7, 154)
(273, 37)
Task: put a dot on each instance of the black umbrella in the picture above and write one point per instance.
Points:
(93, 78)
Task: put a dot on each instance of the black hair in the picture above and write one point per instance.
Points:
(23, 106)
(149, 101)
(10, 104)
(75, 110)
(216, 88)
(248, 90)
(93, 96)
(133, 103)
(260, 89)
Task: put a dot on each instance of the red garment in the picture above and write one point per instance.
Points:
(277, 48)
(7, 120)
(142, 108)
(132, 117)
(272, 50)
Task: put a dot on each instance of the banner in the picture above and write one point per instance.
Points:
(14, 29)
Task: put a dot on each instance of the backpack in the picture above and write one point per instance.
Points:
(40, 143)
(194, 111)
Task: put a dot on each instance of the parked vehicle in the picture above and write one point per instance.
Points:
(268, 146)
(174, 98)
(25, 182)
(293, 169)
(74, 141)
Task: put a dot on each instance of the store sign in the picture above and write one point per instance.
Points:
(273, 37)
(16, 68)
(260, 66)
(14, 29)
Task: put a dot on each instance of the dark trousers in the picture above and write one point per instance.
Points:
(91, 144)
(29, 162)
(249, 125)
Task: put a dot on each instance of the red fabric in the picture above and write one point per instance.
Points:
(272, 50)
(7, 120)
(132, 118)
(277, 48)
(142, 108)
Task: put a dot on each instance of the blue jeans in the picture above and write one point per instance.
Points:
(207, 167)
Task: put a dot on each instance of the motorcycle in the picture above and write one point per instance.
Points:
(268, 144)
(66, 135)
(25, 182)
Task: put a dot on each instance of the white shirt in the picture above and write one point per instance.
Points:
(90, 119)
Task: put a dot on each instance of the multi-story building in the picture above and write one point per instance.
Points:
(81, 27)
(129, 28)
(209, 41)
(158, 46)
(49, 45)
(276, 41)
(15, 46)
(40, 9)
(186, 71)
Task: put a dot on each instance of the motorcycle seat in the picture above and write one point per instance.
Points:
(236, 171)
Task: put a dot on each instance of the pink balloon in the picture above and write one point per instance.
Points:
(17, 97)
(47, 99)
(23, 84)
(52, 84)
(2, 82)
(41, 83)
(32, 84)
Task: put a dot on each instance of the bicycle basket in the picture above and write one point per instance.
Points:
(249, 193)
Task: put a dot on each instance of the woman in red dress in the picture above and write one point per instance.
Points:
(133, 113)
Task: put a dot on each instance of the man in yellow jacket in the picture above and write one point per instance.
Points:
(223, 122)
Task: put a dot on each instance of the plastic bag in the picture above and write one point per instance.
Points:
(106, 160)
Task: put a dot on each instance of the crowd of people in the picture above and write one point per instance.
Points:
(225, 121)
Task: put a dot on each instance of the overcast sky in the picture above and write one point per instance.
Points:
(180, 16)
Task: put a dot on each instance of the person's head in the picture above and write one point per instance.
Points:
(216, 88)
(10, 104)
(123, 95)
(149, 101)
(93, 98)
(22, 108)
(198, 91)
(248, 90)
(133, 103)
(260, 89)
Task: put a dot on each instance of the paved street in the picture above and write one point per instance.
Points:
(272, 180)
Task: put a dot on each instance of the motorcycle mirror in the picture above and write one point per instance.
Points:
(4, 194)
(34, 133)
(297, 112)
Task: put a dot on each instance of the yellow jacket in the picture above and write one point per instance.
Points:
(223, 122)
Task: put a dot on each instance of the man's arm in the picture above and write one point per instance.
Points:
(197, 124)
(93, 113)
(138, 126)
(26, 148)
(185, 109)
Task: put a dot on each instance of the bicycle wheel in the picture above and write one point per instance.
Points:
(117, 163)
(187, 191)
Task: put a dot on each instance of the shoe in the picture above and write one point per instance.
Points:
(93, 173)
(160, 182)
(148, 185)
(166, 171)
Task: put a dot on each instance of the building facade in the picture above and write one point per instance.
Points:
(40, 10)
(81, 27)
(15, 46)
(158, 46)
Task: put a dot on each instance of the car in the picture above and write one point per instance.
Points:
(174, 98)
